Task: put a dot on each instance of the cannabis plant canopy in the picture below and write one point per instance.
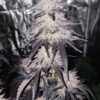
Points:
(35, 36)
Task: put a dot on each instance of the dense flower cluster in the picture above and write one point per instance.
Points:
(43, 32)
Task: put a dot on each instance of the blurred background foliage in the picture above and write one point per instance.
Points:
(88, 73)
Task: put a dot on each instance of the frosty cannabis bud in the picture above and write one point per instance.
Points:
(43, 29)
